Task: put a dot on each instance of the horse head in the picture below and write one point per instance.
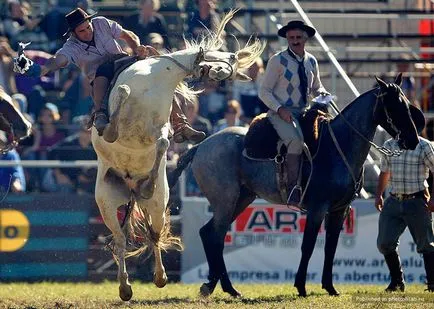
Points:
(398, 116)
(220, 65)
(12, 123)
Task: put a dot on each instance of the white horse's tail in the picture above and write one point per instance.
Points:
(141, 238)
(111, 131)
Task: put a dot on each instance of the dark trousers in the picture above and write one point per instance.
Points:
(396, 216)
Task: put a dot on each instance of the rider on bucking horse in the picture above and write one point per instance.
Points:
(93, 48)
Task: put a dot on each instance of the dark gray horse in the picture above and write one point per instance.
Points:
(231, 182)
(12, 122)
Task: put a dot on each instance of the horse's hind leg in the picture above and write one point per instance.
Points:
(333, 229)
(110, 218)
(313, 224)
(245, 199)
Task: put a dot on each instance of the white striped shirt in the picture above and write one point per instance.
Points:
(409, 171)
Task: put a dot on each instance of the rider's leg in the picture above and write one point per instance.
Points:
(100, 86)
(292, 137)
(183, 130)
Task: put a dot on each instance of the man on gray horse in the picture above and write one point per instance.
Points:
(93, 48)
(291, 77)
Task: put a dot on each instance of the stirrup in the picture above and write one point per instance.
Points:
(294, 198)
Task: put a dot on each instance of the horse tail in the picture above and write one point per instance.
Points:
(142, 239)
(183, 162)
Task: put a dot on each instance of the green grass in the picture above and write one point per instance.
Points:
(105, 295)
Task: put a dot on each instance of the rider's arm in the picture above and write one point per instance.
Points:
(55, 63)
(131, 38)
(269, 81)
(317, 87)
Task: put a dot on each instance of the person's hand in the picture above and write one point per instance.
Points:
(285, 114)
(379, 203)
(144, 51)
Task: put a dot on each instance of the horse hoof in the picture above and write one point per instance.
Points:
(301, 291)
(206, 290)
(331, 290)
(160, 282)
(125, 292)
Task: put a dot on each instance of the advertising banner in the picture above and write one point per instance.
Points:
(264, 245)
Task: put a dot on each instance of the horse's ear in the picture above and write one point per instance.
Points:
(242, 77)
(398, 79)
(381, 83)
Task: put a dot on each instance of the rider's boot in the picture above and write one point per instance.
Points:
(294, 164)
(99, 117)
(183, 130)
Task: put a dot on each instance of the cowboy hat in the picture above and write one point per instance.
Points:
(76, 18)
(296, 24)
(418, 118)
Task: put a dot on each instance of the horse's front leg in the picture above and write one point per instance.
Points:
(315, 216)
(333, 229)
(147, 188)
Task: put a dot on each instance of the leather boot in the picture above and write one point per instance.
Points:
(293, 167)
(396, 275)
(100, 120)
(183, 130)
(428, 259)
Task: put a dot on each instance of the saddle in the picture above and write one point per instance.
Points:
(120, 64)
(262, 141)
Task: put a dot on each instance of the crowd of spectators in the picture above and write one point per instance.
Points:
(58, 105)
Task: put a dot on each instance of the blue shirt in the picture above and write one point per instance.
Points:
(11, 173)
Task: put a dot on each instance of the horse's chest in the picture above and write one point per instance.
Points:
(132, 164)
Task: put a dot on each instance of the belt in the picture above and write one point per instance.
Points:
(402, 197)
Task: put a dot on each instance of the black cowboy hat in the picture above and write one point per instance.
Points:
(418, 118)
(296, 24)
(76, 18)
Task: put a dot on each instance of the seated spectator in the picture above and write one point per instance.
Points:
(74, 147)
(247, 92)
(21, 26)
(7, 80)
(157, 42)
(147, 21)
(50, 134)
(12, 177)
(232, 117)
(202, 20)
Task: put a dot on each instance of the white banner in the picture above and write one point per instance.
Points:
(264, 245)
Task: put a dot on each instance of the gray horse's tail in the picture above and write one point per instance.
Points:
(183, 162)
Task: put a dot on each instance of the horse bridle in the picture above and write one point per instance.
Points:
(10, 135)
(389, 120)
(199, 58)
(382, 149)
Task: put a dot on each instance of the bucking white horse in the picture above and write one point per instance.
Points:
(132, 169)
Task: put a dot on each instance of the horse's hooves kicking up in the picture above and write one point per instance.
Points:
(301, 291)
(331, 290)
(160, 282)
(207, 289)
(125, 292)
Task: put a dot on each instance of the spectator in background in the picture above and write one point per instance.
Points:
(198, 122)
(212, 100)
(7, 78)
(11, 178)
(232, 117)
(49, 133)
(203, 20)
(247, 92)
(73, 148)
(148, 21)
(157, 42)
(408, 84)
(21, 26)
